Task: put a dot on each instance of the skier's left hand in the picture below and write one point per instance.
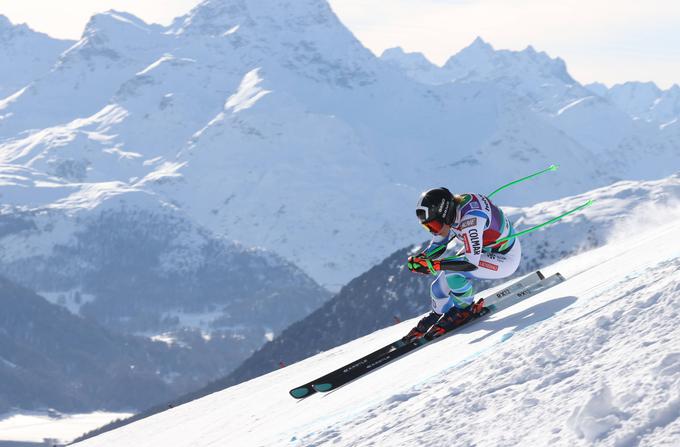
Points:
(420, 265)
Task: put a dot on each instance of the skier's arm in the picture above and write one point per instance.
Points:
(436, 248)
(456, 265)
(425, 262)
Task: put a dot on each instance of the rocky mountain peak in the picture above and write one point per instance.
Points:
(481, 58)
(10, 31)
(4, 22)
(479, 48)
(116, 24)
(480, 44)
(24, 55)
(415, 60)
(217, 17)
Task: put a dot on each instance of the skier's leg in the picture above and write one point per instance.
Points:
(445, 292)
(452, 296)
(452, 293)
(450, 289)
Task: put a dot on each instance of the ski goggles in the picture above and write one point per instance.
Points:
(433, 226)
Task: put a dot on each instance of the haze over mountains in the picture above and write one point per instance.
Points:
(216, 177)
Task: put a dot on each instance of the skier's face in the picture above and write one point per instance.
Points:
(444, 231)
(437, 227)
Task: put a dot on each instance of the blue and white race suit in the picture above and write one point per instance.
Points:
(477, 224)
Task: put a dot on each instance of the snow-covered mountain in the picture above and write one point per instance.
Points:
(25, 55)
(594, 359)
(415, 65)
(539, 80)
(644, 100)
(269, 123)
(600, 119)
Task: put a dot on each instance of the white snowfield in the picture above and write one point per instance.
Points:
(593, 360)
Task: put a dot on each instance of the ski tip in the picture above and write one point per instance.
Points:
(554, 167)
(300, 392)
(322, 387)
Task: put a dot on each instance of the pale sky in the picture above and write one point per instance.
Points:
(610, 41)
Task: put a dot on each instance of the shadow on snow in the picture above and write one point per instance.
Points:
(527, 317)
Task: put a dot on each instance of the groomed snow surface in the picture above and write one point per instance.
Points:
(594, 360)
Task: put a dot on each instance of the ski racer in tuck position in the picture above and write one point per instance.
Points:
(475, 221)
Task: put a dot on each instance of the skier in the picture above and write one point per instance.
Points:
(477, 223)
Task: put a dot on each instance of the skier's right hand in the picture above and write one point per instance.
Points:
(421, 265)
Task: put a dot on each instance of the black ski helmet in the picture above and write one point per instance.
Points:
(436, 205)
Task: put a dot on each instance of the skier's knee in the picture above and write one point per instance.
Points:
(458, 284)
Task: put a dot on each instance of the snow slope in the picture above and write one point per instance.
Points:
(594, 359)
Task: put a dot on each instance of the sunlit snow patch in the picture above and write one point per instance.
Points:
(248, 92)
(232, 30)
(573, 104)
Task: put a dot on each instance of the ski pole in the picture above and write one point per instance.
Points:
(551, 221)
(534, 228)
(535, 174)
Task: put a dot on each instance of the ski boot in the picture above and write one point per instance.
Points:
(422, 327)
(477, 307)
(453, 318)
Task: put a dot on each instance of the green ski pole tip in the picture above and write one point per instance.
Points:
(553, 167)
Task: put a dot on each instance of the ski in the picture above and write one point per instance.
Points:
(341, 377)
(309, 388)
